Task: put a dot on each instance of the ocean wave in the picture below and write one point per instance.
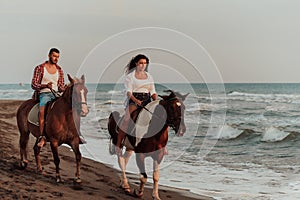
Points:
(109, 102)
(226, 132)
(210, 107)
(273, 134)
(114, 92)
(277, 107)
(296, 101)
(12, 91)
(267, 98)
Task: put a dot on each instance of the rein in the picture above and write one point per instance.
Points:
(158, 117)
(55, 93)
(152, 112)
(78, 104)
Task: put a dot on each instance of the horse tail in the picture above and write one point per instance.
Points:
(112, 126)
(21, 117)
(114, 117)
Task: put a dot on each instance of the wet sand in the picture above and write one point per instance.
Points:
(99, 181)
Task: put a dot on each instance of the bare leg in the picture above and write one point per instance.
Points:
(124, 127)
(42, 139)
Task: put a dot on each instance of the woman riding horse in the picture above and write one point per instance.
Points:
(164, 113)
(140, 89)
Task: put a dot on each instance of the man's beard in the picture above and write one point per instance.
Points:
(52, 62)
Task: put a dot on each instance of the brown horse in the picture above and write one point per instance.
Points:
(62, 125)
(168, 112)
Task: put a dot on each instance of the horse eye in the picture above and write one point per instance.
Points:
(178, 103)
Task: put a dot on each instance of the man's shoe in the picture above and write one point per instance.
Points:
(82, 140)
(165, 151)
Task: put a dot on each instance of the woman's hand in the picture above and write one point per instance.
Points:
(138, 102)
(154, 96)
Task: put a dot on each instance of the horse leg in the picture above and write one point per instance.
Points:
(140, 161)
(37, 151)
(78, 160)
(157, 158)
(123, 161)
(54, 149)
(23, 141)
(155, 180)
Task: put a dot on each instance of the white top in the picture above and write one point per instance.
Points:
(132, 84)
(50, 78)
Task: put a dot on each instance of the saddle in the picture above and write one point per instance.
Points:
(33, 115)
(142, 121)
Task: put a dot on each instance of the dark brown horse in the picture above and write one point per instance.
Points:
(169, 112)
(62, 124)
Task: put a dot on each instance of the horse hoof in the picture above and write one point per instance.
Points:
(138, 193)
(23, 164)
(41, 171)
(58, 180)
(77, 181)
(156, 198)
(127, 190)
(112, 149)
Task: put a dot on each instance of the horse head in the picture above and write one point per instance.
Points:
(78, 92)
(175, 108)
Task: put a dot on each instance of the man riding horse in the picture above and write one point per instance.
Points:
(47, 77)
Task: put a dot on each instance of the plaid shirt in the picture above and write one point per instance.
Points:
(38, 76)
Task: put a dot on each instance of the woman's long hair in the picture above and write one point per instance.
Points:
(132, 64)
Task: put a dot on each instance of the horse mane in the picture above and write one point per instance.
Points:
(172, 95)
(67, 94)
(69, 88)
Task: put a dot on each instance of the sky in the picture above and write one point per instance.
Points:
(245, 40)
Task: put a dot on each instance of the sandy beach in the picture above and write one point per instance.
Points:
(98, 180)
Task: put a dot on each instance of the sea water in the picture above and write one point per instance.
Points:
(240, 143)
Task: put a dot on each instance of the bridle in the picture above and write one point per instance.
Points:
(171, 119)
(78, 105)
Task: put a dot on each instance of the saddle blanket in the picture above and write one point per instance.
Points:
(143, 121)
(33, 116)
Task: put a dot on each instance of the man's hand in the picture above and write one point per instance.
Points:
(49, 85)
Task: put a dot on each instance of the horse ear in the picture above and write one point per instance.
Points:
(83, 78)
(184, 96)
(70, 78)
(172, 93)
(164, 97)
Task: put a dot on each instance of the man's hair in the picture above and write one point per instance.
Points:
(55, 50)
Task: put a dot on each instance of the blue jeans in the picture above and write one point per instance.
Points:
(45, 97)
